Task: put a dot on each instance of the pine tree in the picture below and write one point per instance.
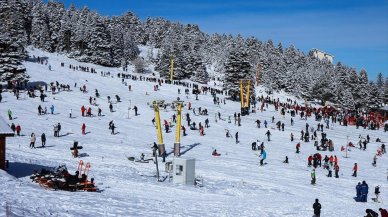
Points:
(237, 67)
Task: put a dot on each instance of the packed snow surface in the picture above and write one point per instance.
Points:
(234, 183)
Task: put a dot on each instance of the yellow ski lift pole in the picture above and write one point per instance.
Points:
(177, 144)
(159, 129)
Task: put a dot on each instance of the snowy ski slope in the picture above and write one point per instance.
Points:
(234, 183)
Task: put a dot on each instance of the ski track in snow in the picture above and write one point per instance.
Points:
(234, 183)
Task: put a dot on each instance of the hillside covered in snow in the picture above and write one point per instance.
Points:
(234, 183)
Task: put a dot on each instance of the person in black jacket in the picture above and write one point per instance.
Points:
(43, 138)
(317, 208)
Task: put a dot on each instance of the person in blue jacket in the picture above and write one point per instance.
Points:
(364, 191)
(263, 157)
(358, 190)
(52, 109)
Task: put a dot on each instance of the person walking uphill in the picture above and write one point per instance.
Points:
(317, 208)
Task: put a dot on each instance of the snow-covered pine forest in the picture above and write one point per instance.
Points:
(85, 35)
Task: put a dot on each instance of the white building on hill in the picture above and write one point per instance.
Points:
(322, 55)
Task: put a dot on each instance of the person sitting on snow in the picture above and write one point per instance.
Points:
(215, 153)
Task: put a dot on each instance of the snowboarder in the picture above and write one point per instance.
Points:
(43, 138)
(214, 153)
(317, 208)
(286, 160)
(33, 139)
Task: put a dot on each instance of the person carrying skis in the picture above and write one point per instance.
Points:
(268, 135)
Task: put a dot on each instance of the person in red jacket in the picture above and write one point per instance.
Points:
(18, 129)
(297, 148)
(309, 160)
(319, 159)
(336, 169)
(83, 129)
(383, 212)
(335, 159)
(83, 109)
(355, 170)
(331, 159)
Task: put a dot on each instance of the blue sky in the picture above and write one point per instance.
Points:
(355, 32)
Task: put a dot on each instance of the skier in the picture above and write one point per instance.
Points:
(43, 138)
(292, 137)
(59, 129)
(99, 111)
(236, 136)
(374, 160)
(355, 170)
(263, 156)
(384, 212)
(55, 130)
(83, 128)
(135, 108)
(268, 135)
(112, 127)
(336, 169)
(33, 139)
(9, 114)
(184, 130)
(317, 208)
(83, 109)
(52, 109)
(110, 107)
(313, 177)
(18, 129)
(253, 146)
(377, 193)
(265, 123)
(13, 127)
(297, 147)
(207, 123)
(70, 112)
